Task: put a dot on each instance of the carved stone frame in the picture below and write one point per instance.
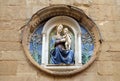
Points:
(49, 25)
(61, 10)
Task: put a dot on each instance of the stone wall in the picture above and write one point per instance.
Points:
(14, 65)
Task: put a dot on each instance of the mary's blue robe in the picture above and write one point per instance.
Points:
(58, 55)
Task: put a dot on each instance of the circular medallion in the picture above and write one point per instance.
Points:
(61, 40)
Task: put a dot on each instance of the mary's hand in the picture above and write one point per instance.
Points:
(62, 40)
(57, 41)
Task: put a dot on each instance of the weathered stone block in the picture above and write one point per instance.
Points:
(32, 9)
(115, 56)
(32, 6)
(37, 8)
(63, 79)
(13, 12)
(37, 2)
(12, 24)
(90, 77)
(104, 47)
(104, 56)
(109, 56)
(116, 12)
(117, 2)
(104, 2)
(10, 46)
(116, 68)
(9, 35)
(91, 69)
(116, 77)
(44, 77)
(86, 3)
(52, 2)
(12, 55)
(101, 12)
(8, 67)
(106, 78)
(85, 9)
(117, 26)
(0, 55)
(109, 36)
(110, 47)
(106, 26)
(105, 68)
(24, 77)
(24, 67)
(13, 2)
(114, 46)
(108, 30)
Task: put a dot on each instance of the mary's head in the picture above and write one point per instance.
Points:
(59, 28)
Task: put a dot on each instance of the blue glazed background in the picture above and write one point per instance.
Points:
(36, 45)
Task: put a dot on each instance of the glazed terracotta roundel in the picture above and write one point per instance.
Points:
(61, 40)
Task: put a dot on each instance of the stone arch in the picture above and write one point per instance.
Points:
(61, 10)
(70, 22)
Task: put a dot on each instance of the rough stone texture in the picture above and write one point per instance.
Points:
(10, 46)
(12, 55)
(23, 77)
(9, 35)
(14, 65)
(52, 2)
(12, 2)
(13, 12)
(101, 12)
(104, 2)
(24, 67)
(105, 68)
(8, 67)
(115, 12)
(11, 25)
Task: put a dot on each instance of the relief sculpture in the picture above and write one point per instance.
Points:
(61, 42)
(61, 52)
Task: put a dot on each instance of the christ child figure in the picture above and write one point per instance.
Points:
(67, 38)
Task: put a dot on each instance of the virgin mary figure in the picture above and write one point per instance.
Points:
(60, 54)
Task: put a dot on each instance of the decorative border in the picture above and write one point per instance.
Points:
(61, 10)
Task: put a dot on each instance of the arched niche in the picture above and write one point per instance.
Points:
(71, 13)
(72, 24)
